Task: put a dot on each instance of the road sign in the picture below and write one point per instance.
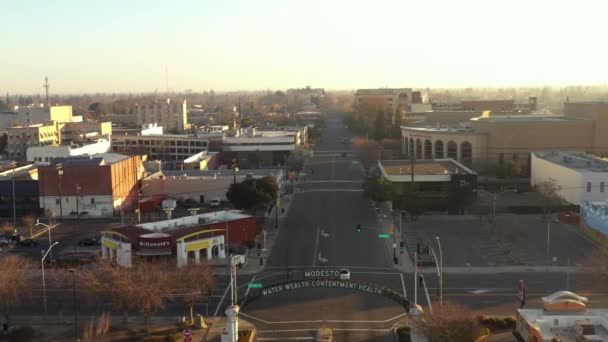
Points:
(384, 236)
(521, 293)
(187, 335)
(255, 285)
(391, 229)
(394, 245)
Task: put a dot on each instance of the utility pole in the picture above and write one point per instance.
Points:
(14, 199)
(59, 169)
(78, 188)
(46, 88)
(415, 278)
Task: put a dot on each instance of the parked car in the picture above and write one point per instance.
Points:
(90, 242)
(344, 274)
(28, 243)
(4, 241)
(215, 203)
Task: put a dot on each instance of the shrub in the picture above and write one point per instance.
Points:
(403, 334)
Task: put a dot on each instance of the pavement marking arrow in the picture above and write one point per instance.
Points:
(480, 291)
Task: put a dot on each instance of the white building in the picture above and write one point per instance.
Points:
(580, 176)
(44, 155)
(563, 317)
(200, 186)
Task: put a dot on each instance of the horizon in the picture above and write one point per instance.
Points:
(148, 47)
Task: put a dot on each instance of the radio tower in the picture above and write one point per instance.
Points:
(46, 87)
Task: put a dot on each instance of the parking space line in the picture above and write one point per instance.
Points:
(403, 284)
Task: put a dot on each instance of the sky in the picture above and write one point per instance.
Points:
(131, 46)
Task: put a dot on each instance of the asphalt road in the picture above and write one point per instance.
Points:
(320, 231)
(322, 221)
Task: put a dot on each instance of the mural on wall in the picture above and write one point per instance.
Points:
(595, 215)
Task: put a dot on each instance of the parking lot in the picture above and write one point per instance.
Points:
(512, 240)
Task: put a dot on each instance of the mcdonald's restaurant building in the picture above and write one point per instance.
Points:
(187, 240)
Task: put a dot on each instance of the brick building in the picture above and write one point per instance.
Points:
(101, 185)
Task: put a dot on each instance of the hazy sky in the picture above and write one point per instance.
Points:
(123, 45)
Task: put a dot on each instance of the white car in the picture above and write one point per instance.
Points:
(344, 274)
(215, 203)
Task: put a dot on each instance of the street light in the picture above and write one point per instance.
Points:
(14, 165)
(494, 198)
(43, 279)
(549, 237)
(138, 199)
(75, 304)
(38, 223)
(440, 271)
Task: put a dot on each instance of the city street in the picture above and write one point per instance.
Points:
(319, 232)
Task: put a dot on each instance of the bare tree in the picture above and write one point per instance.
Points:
(30, 222)
(450, 323)
(50, 216)
(15, 279)
(7, 228)
(143, 287)
(548, 195)
(195, 283)
(366, 151)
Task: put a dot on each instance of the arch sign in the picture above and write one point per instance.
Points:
(368, 288)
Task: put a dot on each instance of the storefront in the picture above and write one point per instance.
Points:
(154, 245)
(117, 251)
(200, 249)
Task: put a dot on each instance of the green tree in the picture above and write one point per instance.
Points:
(396, 128)
(253, 193)
(509, 170)
(378, 189)
(379, 130)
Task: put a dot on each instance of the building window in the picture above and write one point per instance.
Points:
(57, 201)
(438, 149)
(588, 186)
(601, 186)
(501, 158)
(92, 201)
(515, 157)
(466, 153)
(452, 150)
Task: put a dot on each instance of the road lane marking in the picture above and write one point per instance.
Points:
(314, 255)
(403, 284)
(302, 338)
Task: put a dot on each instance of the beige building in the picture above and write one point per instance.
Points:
(21, 137)
(494, 140)
(31, 115)
(387, 100)
(173, 116)
(76, 131)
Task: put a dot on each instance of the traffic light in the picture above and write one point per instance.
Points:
(401, 245)
(358, 228)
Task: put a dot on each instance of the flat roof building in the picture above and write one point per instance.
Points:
(490, 140)
(101, 185)
(580, 176)
(189, 240)
(445, 183)
(44, 155)
(564, 317)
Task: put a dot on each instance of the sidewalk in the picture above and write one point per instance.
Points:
(252, 264)
(385, 218)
